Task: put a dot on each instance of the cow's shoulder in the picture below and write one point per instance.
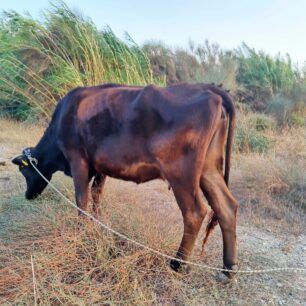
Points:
(148, 112)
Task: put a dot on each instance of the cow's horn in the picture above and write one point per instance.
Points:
(18, 160)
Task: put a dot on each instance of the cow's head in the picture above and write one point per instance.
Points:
(35, 183)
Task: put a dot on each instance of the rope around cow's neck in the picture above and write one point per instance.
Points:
(292, 269)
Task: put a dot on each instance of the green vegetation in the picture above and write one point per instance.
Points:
(263, 122)
(264, 77)
(41, 60)
(257, 81)
(287, 111)
(206, 63)
(253, 133)
(296, 120)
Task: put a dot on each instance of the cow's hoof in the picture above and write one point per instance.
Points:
(223, 279)
(179, 267)
(232, 273)
(175, 265)
(82, 222)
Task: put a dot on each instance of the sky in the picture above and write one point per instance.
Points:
(270, 25)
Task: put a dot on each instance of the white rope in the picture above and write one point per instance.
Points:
(294, 269)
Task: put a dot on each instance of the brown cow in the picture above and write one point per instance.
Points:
(177, 133)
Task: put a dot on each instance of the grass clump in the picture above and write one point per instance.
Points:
(252, 141)
(296, 120)
(253, 133)
(263, 122)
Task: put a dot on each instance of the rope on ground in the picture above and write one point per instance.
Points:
(159, 253)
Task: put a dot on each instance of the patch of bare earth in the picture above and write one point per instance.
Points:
(87, 266)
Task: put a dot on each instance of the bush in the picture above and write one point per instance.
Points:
(242, 107)
(162, 61)
(219, 65)
(296, 120)
(262, 78)
(251, 133)
(259, 143)
(252, 141)
(260, 70)
(286, 111)
(280, 108)
(206, 63)
(264, 123)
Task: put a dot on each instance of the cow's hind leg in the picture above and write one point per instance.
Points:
(193, 211)
(225, 207)
(96, 191)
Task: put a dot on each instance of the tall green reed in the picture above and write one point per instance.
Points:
(41, 60)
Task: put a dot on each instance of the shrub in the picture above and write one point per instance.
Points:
(251, 133)
(263, 122)
(219, 65)
(296, 120)
(162, 61)
(262, 77)
(242, 107)
(259, 143)
(252, 141)
(280, 108)
(206, 63)
(259, 69)
(286, 111)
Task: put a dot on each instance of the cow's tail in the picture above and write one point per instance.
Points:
(230, 140)
(229, 105)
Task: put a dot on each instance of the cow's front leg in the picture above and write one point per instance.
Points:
(193, 212)
(79, 171)
(96, 191)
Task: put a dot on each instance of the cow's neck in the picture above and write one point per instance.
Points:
(49, 156)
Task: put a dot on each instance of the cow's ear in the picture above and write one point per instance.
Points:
(20, 160)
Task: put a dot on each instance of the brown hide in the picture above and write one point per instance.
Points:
(177, 133)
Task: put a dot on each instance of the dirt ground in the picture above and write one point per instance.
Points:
(270, 234)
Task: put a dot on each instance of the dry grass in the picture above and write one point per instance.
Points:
(87, 266)
(272, 185)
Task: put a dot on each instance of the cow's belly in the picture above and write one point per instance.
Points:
(132, 164)
(125, 157)
(137, 172)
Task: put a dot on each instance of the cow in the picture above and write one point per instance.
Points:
(181, 133)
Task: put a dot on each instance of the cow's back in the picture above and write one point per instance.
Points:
(120, 129)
